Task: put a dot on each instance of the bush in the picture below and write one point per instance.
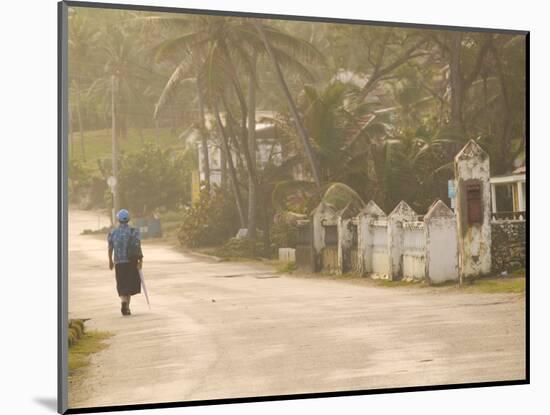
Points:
(210, 221)
(80, 178)
(241, 248)
(283, 235)
(153, 178)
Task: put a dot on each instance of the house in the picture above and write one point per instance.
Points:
(508, 195)
(268, 148)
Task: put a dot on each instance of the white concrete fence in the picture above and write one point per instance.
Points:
(396, 246)
(436, 247)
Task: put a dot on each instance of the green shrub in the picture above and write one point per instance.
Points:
(78, 323)
(287, 267)
(71, 339)
(73, 336)
(153, 178)
(80, 178)
(210, 221)
(283, 235)
(76, 329)
(241, 248)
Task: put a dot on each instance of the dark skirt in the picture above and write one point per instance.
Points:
(127, 278)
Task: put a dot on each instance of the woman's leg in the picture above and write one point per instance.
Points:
(125, 304)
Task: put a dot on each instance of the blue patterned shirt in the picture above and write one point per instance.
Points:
(119, 240)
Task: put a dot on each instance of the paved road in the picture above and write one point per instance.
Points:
(220, 330)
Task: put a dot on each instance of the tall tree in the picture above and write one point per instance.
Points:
(82, 39)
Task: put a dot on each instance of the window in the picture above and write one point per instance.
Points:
(473, 200)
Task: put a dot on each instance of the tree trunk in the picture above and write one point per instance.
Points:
(223, 167)
(71, 133)
(457, 93)
(252, 182)
(174, 119)
(232, 172)
(80, 126)
(116, 187)
(204, 138)
(297, 120)
(506, 135)
(157, 136)
(242, 144)
(141, 136)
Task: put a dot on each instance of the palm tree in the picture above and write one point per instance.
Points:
(82, 37)
(115, 90)
(238, 45)
(299, 125)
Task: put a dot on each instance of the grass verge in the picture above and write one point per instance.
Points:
(91, 342)
(498, 285)
(513, 284)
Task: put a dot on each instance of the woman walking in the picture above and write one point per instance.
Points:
(125, 243)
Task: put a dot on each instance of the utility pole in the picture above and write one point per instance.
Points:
(116, 200)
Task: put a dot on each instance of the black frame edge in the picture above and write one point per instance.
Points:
(275, 398)
(257, 15)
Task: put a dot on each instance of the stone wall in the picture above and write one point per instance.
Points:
(508, 245)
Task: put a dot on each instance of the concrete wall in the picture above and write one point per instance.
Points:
(414, 251)
(287, 254)
(395, 247)
(380, 257)
(329, 260)
(441, 244)
(402, 213)
(508, 245)
(474, 239)
(365, 236)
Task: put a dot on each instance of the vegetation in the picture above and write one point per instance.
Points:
(498, 285)
(91, 342)
(358, 113)
(83, 343)
(210, 221)
(153, 178)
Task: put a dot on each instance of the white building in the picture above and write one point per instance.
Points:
(508, 195)
(268, 150)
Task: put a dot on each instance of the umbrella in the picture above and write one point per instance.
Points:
(144, 288)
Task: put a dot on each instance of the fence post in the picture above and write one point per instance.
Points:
(402, 213)
(473, 210)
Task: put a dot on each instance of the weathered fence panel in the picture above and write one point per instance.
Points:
(380, 255)
(414, 251)
(441, 244)
(394, 247)
(402, 213)
(365, 236)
